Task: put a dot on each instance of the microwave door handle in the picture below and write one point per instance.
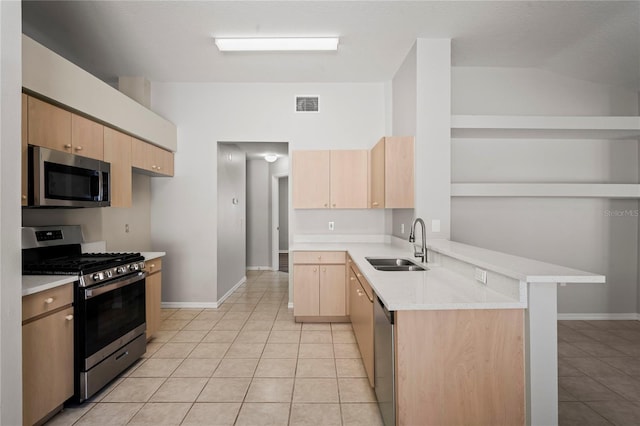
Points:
(100, 185)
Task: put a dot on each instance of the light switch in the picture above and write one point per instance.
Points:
(331, 226)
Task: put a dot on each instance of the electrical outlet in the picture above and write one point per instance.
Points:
(481, 275)
(435, 225)
(402, 228)
(126, 228)
(331, 226)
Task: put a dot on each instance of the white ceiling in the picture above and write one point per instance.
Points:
(171, 40)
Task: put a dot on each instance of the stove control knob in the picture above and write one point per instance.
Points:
(120, 270)
(109, 274)
(98, 277)
(134, 267)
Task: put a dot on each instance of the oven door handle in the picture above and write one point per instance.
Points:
(125, 281)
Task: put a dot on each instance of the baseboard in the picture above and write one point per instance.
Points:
(230, 292)
(259, 268)
(189, 305)
(203, 305)
(596, 317)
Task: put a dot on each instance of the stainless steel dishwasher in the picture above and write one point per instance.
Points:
(384, 358)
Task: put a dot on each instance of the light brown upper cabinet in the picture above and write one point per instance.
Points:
(25, 142)
(87, 137)
(150, 158)
(55, 128)
(392, 173)
(117, 151)
(330, 179)
(48, 125)
(349, 171)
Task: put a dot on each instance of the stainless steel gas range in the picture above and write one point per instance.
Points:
(109, 302)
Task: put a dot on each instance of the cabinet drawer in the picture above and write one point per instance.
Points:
(361, 279)
(153, 265)
(46, 301)
(319, 257)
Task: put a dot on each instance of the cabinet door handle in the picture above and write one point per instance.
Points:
(314, 269)
(324, 269)
(78, 148)
(326, 205)
(359, 275)
(67, 146)
(69, 317)
(48, 300)
(352, 278)
(375, 203)
(334, 204)
(24, 197)
(359, 292)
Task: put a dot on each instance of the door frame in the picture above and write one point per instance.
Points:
(275, 219)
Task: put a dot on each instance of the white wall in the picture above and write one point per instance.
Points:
(10, 254)
(183, 221)
(232, 228)
(581, 233)
(258, 215)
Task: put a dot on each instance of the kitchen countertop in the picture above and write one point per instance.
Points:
(520, 268)
(32, 284)
(149, 255)
(436, 289)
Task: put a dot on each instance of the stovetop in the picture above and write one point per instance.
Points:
(78, 264)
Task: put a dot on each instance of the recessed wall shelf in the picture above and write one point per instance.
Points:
(564, 190)
(545, 127)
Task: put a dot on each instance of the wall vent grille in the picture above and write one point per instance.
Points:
(306, 104)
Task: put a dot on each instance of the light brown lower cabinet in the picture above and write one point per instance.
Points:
(153, 295)
(319, 289)
(460, 367)
(361, 313)
(47, 353)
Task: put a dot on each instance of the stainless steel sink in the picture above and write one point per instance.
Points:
(395, 264)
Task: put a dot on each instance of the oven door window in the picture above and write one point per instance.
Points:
(111, 315)
(63, 182)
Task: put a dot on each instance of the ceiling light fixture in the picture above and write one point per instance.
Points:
(276, 44)
(270, 158)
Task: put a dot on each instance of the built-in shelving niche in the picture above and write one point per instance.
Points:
(545, 127)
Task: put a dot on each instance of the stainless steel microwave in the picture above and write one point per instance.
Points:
(59, 179)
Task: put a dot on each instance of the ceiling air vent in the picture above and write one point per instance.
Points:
(306, 104)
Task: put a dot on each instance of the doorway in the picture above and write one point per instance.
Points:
(267, 164)
(280, 224)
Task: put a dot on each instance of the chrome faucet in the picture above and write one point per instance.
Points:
(412, 238)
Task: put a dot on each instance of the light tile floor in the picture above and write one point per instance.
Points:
(599, 373)
(245, 363)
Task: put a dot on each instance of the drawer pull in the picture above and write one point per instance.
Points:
(24, 197)
(359, 292)
(78, 148)
(69, 317)
(153, 265)
(48, 300)
(375, 203)
(352, 278)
